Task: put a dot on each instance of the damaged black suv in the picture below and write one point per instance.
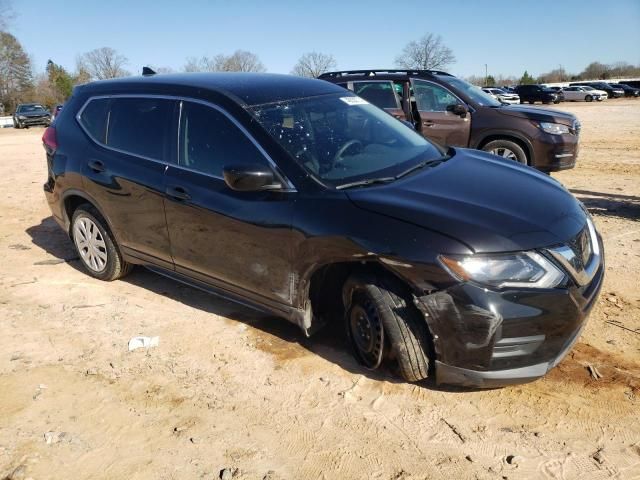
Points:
(296, 197)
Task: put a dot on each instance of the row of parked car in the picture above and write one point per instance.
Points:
(575, 92)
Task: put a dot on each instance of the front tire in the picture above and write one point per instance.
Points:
(96, 246)
(382, 321)
(588, 98)
(507, 149)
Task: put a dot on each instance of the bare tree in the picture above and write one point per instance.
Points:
(6, 14)
(103, 63)
(425, 54)
(239, 61)
(16, 77)
(314, 64)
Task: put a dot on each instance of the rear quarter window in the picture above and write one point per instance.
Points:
(93, 119)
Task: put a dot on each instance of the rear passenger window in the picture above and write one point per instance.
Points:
(381, 94)
(209, 141)
(94, 118)
(141, 126)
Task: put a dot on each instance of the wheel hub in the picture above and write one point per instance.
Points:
(367, 334)
(90, 244)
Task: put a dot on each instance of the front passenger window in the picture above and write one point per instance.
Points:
(432, 98)
(209, 141)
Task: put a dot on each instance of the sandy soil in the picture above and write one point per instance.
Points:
(229, 389)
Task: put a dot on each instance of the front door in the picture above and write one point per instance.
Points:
(238, 241)
(435, 122)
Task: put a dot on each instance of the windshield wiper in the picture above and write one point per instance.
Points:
(425, 163)
(365, 182)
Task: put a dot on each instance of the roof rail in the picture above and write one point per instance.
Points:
(373, 73)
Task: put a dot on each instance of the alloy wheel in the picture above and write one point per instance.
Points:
(505, 153)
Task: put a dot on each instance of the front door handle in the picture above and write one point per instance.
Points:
(179, 193)
(428, 124)
(96, 165)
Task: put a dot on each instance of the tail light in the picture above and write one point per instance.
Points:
(50, 140)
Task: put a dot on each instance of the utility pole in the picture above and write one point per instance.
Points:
(486, 75)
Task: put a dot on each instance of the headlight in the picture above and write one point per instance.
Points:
(523, 269)
(21, 117)
(554, 128)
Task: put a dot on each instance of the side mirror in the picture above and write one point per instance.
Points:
(250, 178)
(457, 109)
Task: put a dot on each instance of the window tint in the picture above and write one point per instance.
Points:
(94, 118)
(209, 141)
(433, 98)
(381, 94)
(141, 126)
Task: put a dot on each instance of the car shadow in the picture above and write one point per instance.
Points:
(52, 239)
(610, 204)
(273, 335)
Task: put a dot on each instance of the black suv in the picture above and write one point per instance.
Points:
(296, 197)
(537, 93)
(30, 114)
(628, 91)
(612, 91)
(452, 112)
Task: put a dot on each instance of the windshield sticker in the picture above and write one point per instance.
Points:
(354, 101)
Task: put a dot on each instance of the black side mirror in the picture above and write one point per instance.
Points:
(457, 109)
(250, 178)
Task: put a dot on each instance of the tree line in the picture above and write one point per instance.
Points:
(19, 83)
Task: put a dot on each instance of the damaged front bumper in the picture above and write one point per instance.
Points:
(484, 338)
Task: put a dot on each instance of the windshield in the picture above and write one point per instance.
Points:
(474, 93)
(342, 139)
(30, 108)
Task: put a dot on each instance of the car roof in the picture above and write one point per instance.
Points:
(246, 88)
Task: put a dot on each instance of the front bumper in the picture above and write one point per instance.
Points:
(485, 338)
(31, 121)
(555, 152)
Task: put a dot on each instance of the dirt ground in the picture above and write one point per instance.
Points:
(227, 388)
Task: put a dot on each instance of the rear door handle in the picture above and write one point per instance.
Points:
(429, 124)
(178, 192)
(96, 165)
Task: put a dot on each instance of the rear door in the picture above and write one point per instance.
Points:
(382, 94)
(133, 141)
(236, 241)
(435, 122)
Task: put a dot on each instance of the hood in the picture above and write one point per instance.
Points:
(490, 204)
(41, 113)
(540, 114)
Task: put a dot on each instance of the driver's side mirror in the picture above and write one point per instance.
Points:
(250, 178)
(457, 109)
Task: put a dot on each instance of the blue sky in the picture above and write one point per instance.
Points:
(510, 35)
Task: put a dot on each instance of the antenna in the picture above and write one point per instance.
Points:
(147, 71)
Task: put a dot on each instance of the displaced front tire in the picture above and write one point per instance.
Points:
(381, 319)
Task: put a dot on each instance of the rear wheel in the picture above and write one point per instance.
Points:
(507, 149)
(382, 322)
(96, 246)
(588, 98)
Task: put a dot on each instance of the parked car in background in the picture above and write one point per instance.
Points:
(29, 114)
(632, 83)
(452, 112)
(628, 91)
(583, 93)
(536, 93)
(612, 92)
(56, 112)
(323, 208)
(501, 95)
